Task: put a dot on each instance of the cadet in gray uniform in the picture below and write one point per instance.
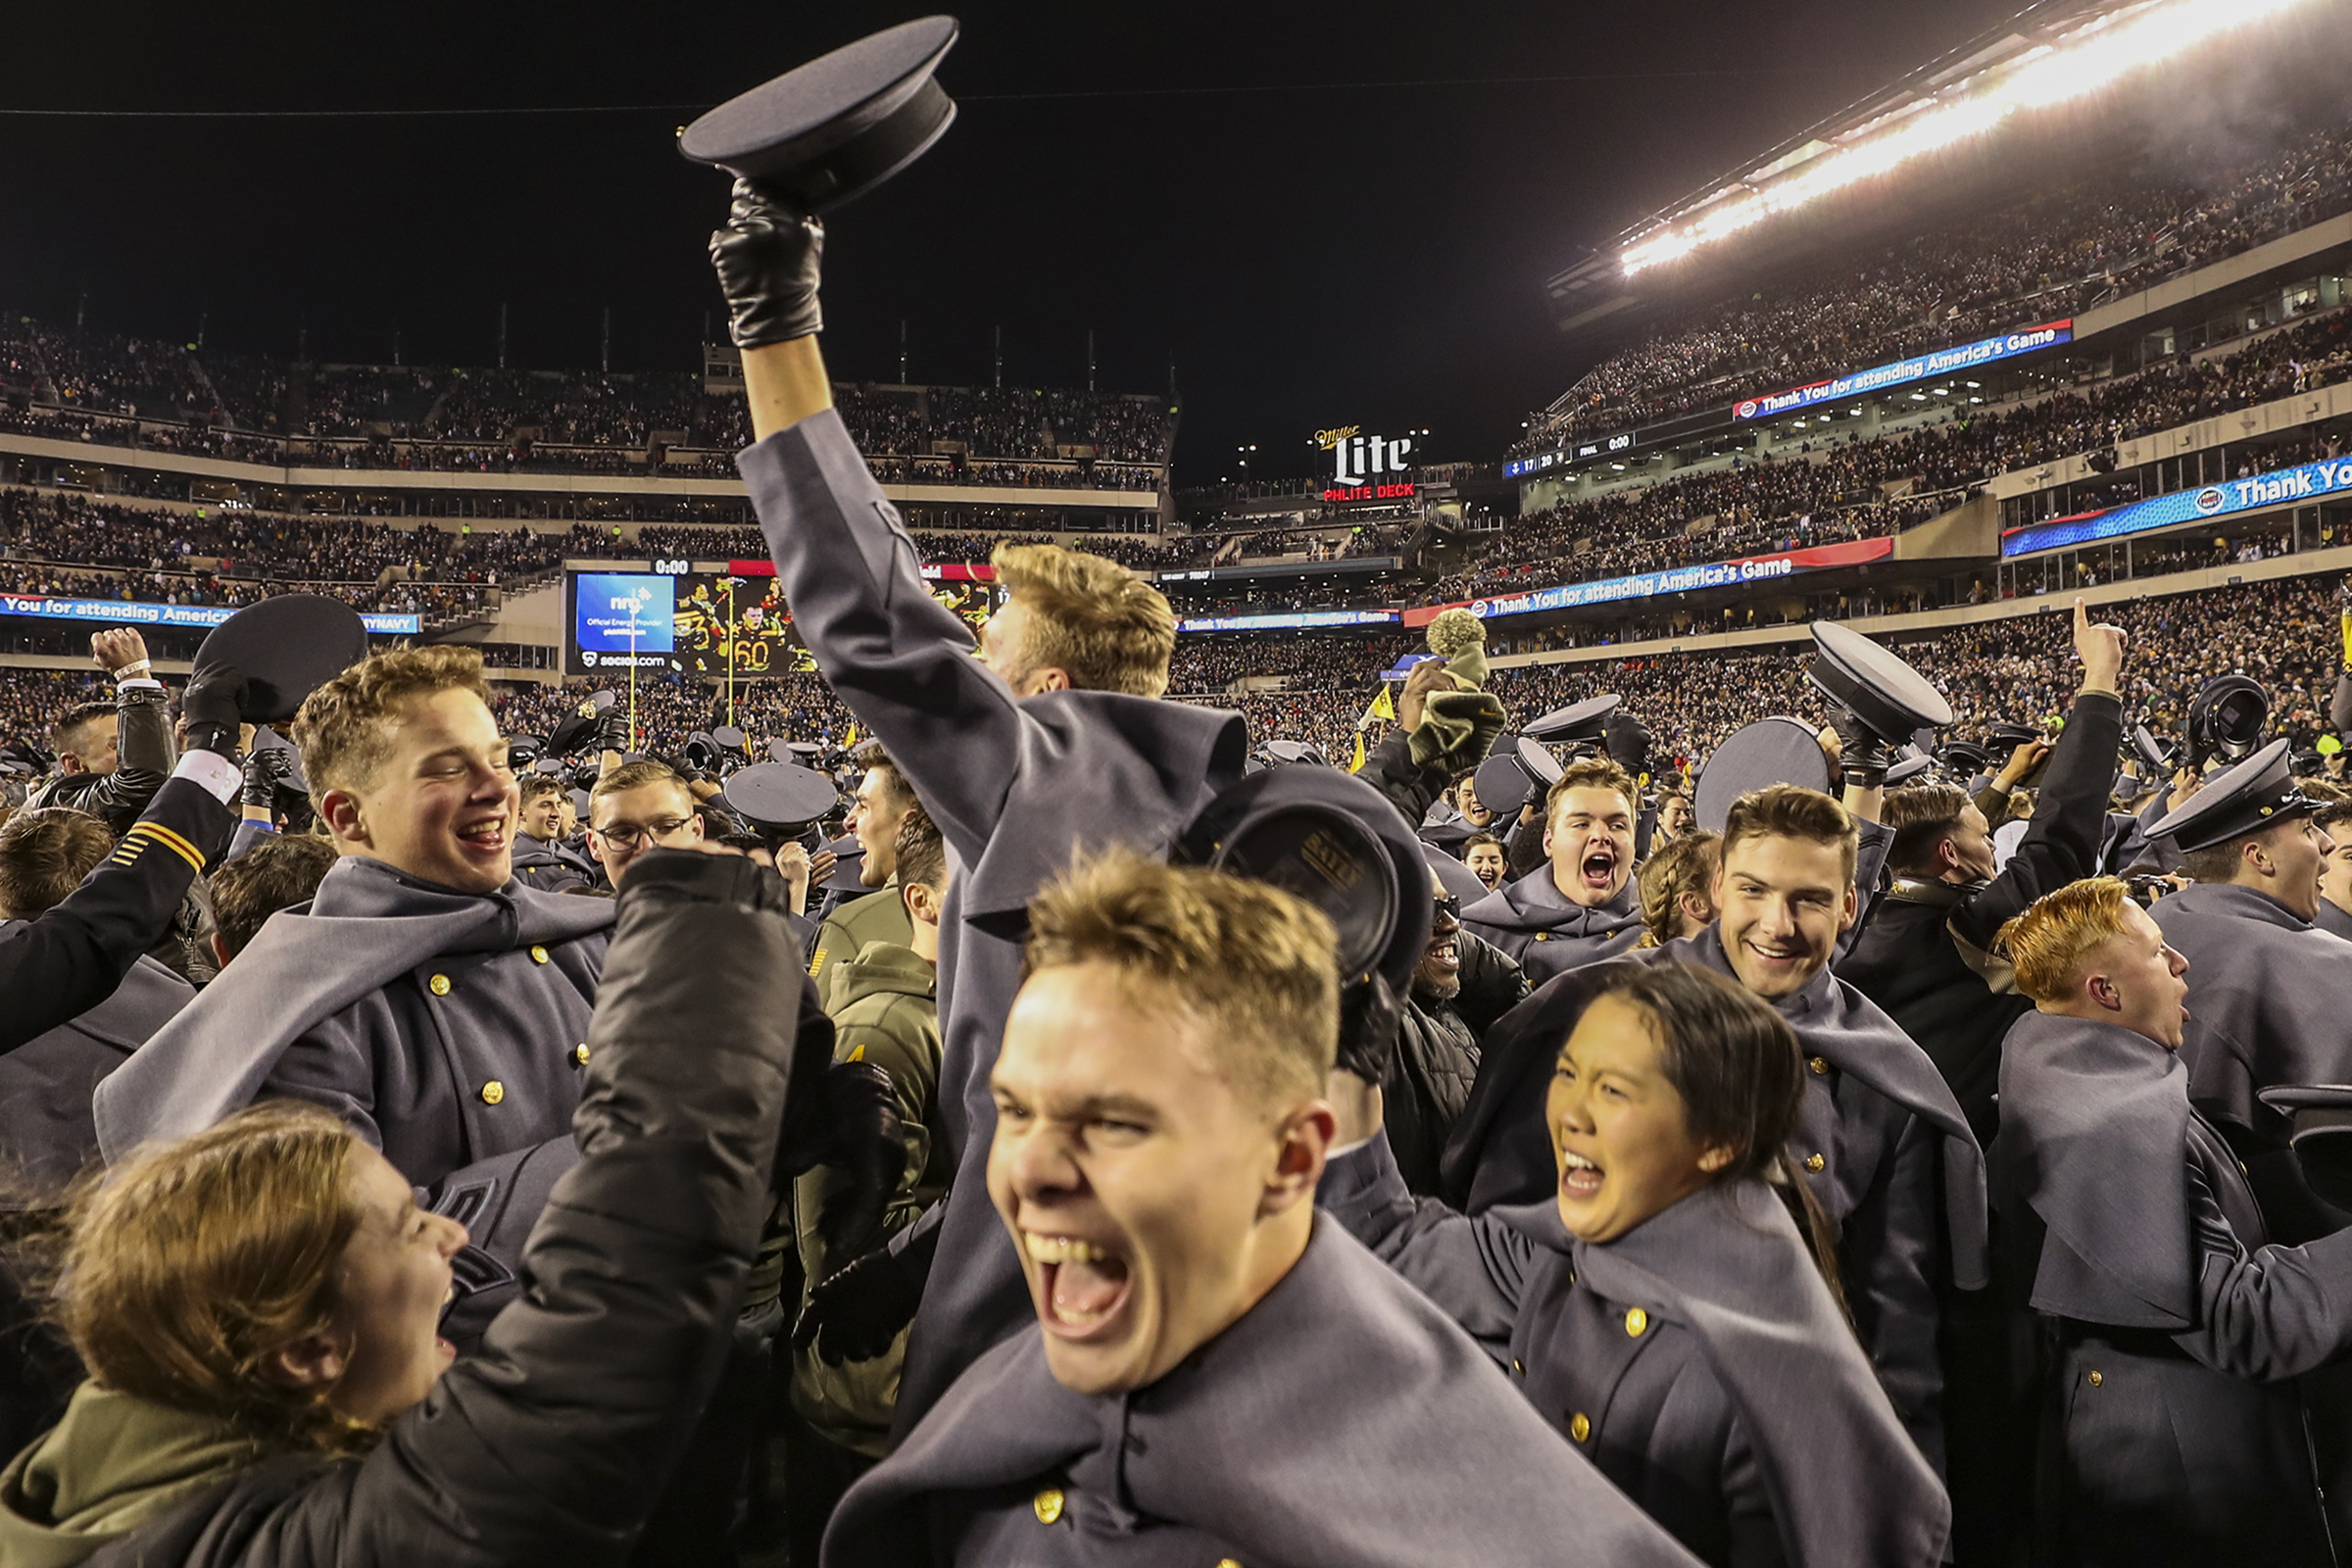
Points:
(425, 995)
(1664, 1310)
(2335, 881)
(1880, 1141)
(1211, 1371)
(111, 762)
(1578, 906)
(2176, 1430)
(1052, 743)
(2270, 994)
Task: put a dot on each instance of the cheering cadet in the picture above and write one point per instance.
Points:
(1665, 1309)
(1211, 1373)
(1579, 905)
(2335, 881)
(2268, 993)
(2176, 1433)
(1883, 1146)
(1050, 741)
(111, 760)
(425, 996)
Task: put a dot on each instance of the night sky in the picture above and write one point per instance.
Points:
(1319, 253)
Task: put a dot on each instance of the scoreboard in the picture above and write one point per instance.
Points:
(696, 626)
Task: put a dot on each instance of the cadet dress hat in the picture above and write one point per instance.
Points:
(1287, 753)
(2321, 1135)
(580, 724)
(1579, 721)
(1331, 839)
(286, 648)
(1909, 764)
(1771, 751)
(829, 132)
(849, 857)
(779, 797)
(1518, 771)
(1964, 759)
(1888, 695)
(2245, 799)
(2227, 717)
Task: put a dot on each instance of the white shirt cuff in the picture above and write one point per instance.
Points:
(1337, 1150)
(142, 682)
(214, 771)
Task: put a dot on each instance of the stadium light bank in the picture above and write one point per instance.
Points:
(2100, 53)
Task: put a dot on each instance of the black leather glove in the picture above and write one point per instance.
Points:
(612, 730)
(264, 770)
(767, 257)
(1628, 739)
(210, 706)
(1369, 1012)
(854, 1313)
(1864, 754)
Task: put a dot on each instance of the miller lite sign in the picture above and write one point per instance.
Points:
(1359, 461)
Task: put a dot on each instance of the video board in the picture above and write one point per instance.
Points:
(695, 624)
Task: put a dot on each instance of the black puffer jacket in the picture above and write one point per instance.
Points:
(1436, 1058)
(553, 1444)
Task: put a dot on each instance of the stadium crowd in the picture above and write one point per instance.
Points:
(2047, 258)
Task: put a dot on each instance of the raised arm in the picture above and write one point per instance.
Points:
(554, 1441)
(2273, 1313)
(848, 569)
(74, 955)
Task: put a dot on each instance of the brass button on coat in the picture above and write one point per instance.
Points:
(1517, 1365)
(438, 985)
(1048, 1505)
(1636, 1321)
(1820, 1066)
(1580, 1426)
(2096, 1378)
(493, 1092)
(579, 1052)
(538, 954)
(1816, 1164)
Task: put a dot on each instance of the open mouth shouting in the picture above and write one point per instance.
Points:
(1082, 1285)
(1579, 1177)
(1597, 869)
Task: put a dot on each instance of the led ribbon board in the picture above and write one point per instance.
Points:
(1300, 621)
(1675, 580)
(2309, 483)
(128, 613)
(1902, 372)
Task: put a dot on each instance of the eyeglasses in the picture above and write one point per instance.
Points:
(626, 836)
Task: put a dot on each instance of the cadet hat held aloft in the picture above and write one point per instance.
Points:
(1771, 751)
(780, 797)
(830, 131)
(2246, 799)
(1885, 703)
(2225, 719)
(1520, 771)
(286, 648)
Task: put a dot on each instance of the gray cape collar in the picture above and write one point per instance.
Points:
(1849, 1485)
(368, 924)
(2094, 1128)
(1535, 903)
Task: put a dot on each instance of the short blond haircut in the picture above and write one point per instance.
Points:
(1255, 968)
(1590, 773)
(344, 727)
(1099, 623)
(2050, 941)
(1792, 812)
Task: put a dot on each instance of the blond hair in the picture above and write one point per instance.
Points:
(187, 1266)
(1095, 620)
(1792, 812)
(1255, 967)
(1685, 867)
(1590, 773)
(343, 729)
(2047, 942)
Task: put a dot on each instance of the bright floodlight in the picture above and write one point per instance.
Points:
(2103, 51)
